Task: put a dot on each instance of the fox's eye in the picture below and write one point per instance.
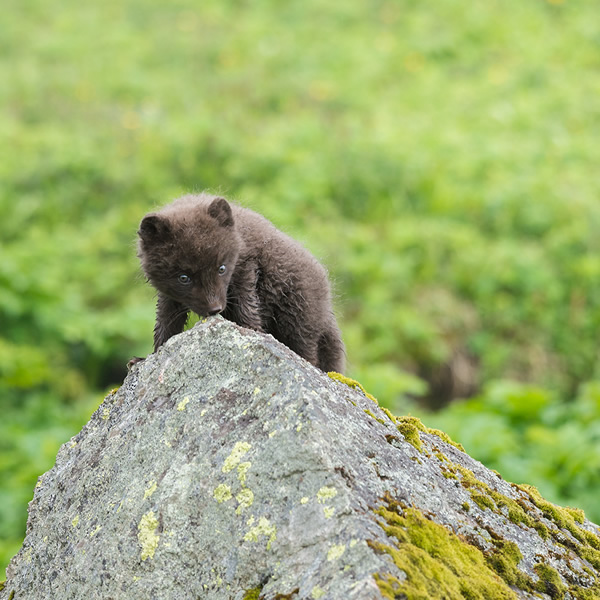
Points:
(222, 269)
(185, 279)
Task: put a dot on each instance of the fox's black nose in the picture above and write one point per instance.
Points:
(214, 310)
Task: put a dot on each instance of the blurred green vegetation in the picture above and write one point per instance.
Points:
(439, 158)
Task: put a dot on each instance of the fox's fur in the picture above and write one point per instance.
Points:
(205, 255)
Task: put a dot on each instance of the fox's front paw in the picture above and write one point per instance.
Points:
(134, 361)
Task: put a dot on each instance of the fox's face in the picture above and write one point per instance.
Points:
(191, 257)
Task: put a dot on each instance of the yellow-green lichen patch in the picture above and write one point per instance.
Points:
(245, 499)
(105, 413)
(437, 563)
(235, 457)
(242, 470)
(222, 493)
(264, 528)
(152, 485)
(326, 493)
(147, 536)
(75, 521)
(317, 593)
(96, 530)
(181, 406)
(409, 427)
(328, 511)
(336, 551)
(355, 385)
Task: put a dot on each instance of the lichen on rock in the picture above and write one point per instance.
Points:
(147, 535)
(226, 467)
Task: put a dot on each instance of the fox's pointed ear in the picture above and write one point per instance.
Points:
(220, 210)
(154, 228)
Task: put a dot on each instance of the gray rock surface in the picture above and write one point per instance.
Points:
(226, 467)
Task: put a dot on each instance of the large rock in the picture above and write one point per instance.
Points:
(226, 467)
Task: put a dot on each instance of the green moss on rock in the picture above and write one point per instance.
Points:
(414, 421)
(444, 437)
(505, 561)
(437, 563)
(449, 474)
(588, 543)
(577, 514)
(482, 501)
(409, 427)
(550, 582)
(253, 594)
(440, 565)
(355, 385)
(486, 497)
(370, 414)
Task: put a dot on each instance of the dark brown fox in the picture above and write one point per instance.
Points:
(205, 255)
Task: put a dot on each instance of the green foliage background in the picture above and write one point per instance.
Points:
(440, 158)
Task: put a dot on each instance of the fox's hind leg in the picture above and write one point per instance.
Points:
(331, 355)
